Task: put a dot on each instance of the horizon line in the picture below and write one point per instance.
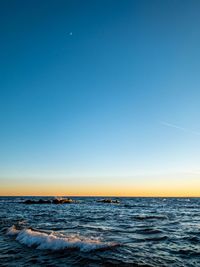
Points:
(101, 196)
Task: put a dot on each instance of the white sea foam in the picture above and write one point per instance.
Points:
(51, 241)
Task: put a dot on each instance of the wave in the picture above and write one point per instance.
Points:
(41, 240)
(150, 231)
(150, 217)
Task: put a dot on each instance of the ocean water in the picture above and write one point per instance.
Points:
(136, 232)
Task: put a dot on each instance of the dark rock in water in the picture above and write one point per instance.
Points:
(63, 201)
(29, 201)
(41, 201)
(108, 200)
(54, 201)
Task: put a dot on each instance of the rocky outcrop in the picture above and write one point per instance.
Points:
(40, 201)
(63, 201)
(53, 201)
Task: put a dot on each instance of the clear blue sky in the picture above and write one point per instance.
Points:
(99, 90)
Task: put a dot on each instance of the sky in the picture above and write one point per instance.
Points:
(100, 97)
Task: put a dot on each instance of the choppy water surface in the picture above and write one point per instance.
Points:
(136, 232)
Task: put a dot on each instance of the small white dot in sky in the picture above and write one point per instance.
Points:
(70, 33)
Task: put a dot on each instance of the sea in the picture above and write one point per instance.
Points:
(141, 232)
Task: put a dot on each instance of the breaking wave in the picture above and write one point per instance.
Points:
(40, 240)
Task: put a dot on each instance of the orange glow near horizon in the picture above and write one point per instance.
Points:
(164, 189)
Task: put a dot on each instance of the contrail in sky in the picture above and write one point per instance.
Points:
(179, 128)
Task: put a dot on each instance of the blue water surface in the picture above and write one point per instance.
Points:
(136, 232)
